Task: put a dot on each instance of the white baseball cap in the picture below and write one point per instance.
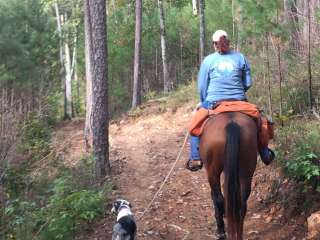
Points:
(218, 34)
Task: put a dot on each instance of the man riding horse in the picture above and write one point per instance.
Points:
(223, 76)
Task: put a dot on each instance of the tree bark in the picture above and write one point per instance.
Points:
(68, 79)
(88, 49)
(96, 13)
(202, 30)
(166, 82)
(65, 64)
(74, 74)
(136, 96)
(292, 20)
(156, 67)
(59, 33)
(280, 78)
(239, 27)
(233, 22)
(61, 53)
(305, 21)
(194, 8)
(278, 47)
(269, 77)
(309, 57)
(181, 57)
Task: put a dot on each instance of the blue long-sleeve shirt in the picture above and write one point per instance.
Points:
(224, 76)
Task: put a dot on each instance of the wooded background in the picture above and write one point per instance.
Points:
(42, 50)
(152, 48)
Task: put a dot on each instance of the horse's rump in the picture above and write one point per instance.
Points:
(213, 139)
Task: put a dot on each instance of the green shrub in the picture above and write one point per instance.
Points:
(71, 209)
(16, 182)
(296, 99)
(65, 211)
(298, 148)
(304, 166)
(35, 137)
(20, 218)
(53, 109)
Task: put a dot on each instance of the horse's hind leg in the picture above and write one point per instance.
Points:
(218, 203)
(245, 193)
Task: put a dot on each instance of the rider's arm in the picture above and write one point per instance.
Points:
(203, 78)
(246, 75)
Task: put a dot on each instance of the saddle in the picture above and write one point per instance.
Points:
(265, 127)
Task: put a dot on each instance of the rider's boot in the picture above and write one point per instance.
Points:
(267, 155)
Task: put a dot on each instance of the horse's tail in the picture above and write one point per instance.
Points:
(232, 182)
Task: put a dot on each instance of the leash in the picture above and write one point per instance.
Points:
(166, 179)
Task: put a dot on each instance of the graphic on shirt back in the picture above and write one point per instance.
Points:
(225, 68)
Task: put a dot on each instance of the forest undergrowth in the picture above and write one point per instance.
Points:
(48, 196)
(43, 196)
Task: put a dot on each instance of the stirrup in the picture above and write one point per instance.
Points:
(193, 168)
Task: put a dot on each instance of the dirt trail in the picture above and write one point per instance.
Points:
(142, 152)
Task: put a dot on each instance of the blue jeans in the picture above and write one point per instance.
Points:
(195, 141)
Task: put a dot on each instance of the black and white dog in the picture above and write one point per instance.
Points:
(125, 228)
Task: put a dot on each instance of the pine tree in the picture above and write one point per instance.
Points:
(96, 13)
(167, 86)
(136, 96)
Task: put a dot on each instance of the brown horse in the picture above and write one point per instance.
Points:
(229, 144)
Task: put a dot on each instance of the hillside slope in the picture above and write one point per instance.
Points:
(143, 149)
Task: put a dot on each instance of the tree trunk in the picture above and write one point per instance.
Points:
(194, 7)
(77, 85)
(233, 22)
(98, 56)
(136, 96)
(280, 78)
(166, 83)
(68, 79)
(202, 30)
(305, 21)
(181, 57)
(291, 19)
(239, 27)
(61, 51)
(59, 33)
(88, 49)
(156, 67)
(278, 48)
(269, 77)
(309, 58)
(74, 74)
(65, 64)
